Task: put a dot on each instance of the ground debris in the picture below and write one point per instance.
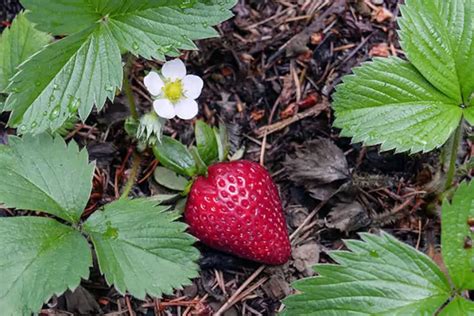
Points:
(348, 217)
(305, 257)
(320, 167)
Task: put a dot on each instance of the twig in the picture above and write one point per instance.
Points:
(272, 128)
(231, 301)
(453, 148)
(127, 87)
(129, 306)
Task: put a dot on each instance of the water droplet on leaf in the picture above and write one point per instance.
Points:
(74, 105)
(55, 113)
(374, 253)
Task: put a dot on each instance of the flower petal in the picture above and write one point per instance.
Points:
(192, 86)
(164, 108)
(153, 83)
(186, 109)
(174, 69)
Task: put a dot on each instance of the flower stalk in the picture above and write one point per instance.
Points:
(451, 153)
(127, 87)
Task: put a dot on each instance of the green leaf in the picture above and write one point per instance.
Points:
(455, 230)
(2, 102)
(206, 143)
(157, 32)
(458, 306)
(84, 69)
(39, 257)
(151, 29)
(43, 174)
(469, 114)
(388, 102)
(175, 156)
(17, 44)
(68, 76)
(170, 179)
(141, 248)
(379, 276)
(458, 19)
(77, 15)
(426, 41)
(438, 38)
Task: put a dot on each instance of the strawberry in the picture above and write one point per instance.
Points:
(237, 209)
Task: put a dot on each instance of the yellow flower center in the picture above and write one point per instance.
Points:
(173, 90)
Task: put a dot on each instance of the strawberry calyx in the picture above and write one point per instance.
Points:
(211, 147)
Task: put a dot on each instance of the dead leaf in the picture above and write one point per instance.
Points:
(277, 287)
(257, 115)
(317, 38)
(81, 302)
(379, 50)
(320, 167)
(381, 15)
(305, 257)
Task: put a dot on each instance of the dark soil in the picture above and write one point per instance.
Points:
(277, 62)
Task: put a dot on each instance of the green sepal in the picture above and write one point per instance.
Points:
(175, 156)
(169, 179)
(206, 143)
(223, 145)
(201, 165)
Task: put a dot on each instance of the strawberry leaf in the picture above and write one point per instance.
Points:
(39, 257)
(43, 174)
(84, 69)
(438, 38)
(67, 77)
(175, 156)
(17, 44)
(80, 14)
(455, 230)
(151, 29)
(379, 276)
(159, 32)
(458, 306)
(469, 113)
(141, 249)
(206, 142)
(388, 102)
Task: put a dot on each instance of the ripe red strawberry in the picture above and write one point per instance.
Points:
(237, 209)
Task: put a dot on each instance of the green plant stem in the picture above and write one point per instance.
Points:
(127, 87)
(452, 153)
(136, 160)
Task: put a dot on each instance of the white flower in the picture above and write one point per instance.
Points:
(175, 92)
